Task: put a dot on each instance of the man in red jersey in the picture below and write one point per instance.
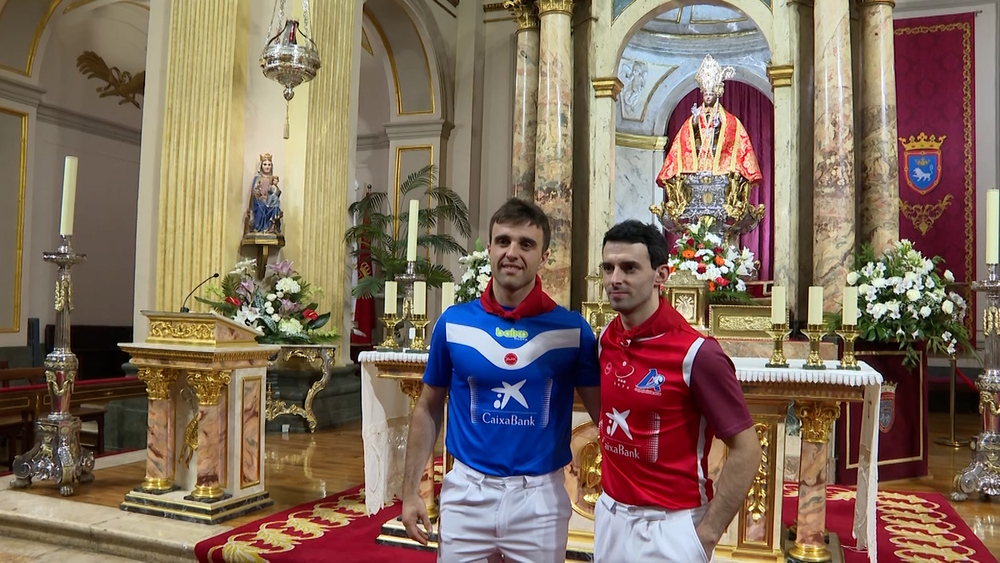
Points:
(666, 390)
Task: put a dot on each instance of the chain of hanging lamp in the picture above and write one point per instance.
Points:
(290, 56)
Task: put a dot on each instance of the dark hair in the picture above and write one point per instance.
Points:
(520, 212)
(637, 232)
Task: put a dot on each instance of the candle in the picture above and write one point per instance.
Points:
(411, 233)
(68, 196)
(815, 305)
(779, 313)
(419, 298)
(850, 306)
(447, 295)
(390, 298)
(992, 226)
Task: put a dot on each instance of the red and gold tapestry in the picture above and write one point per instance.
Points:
(935, 96)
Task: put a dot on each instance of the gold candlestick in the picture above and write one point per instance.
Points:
(815, 333)
(390, 322)
(849, 334)
(778, 332)
(419, 323)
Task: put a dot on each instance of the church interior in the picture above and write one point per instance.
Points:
(215, 302)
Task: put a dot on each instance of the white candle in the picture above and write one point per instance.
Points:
(419, 298)
(992, 226)
(411, 233)
(447, 295)
(815, 305)
(390, 298)
(68, 196)
(850, 306)
(778, 308)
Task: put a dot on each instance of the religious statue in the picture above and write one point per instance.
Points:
(264, 215)
(711, 166)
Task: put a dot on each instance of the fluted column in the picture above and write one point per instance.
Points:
(208, 387)
(525, 97)
(554, 143)
(201, 168)
(330, 145)
(817, 423)
(160, 429)
(833, 151)
(879, 151)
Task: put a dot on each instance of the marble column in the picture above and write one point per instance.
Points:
(817, 419)
(786, 181)
(554, 142)
(208, 387)
(525, 97)
(160, 429)
(201, 162)
(833, 151)
(879, 215)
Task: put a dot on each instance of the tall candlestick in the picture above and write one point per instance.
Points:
(68, 196)
(815, 305)
(390, 298)
(411, 233)
(850, 306)
(992, 226)
(779, 313)
(419, 298)
(447, 295)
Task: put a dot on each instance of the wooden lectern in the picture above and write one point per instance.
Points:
(208, 373)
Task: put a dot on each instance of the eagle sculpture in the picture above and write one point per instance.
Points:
(120, 83)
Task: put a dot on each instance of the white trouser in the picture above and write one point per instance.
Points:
(623, 532)
(524, 518)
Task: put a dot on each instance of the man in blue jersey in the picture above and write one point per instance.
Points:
(508, 364)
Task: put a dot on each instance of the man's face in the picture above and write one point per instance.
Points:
(516, 254)
(265, 167)
(629, 279)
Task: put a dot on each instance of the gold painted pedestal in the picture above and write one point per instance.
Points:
(315, 356)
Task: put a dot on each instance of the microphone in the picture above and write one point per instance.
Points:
(184, 309)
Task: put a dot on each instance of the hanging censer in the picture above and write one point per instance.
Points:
(290, 57)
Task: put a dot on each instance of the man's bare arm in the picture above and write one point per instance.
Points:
(425, 425)
(731, 488)
(591, 397)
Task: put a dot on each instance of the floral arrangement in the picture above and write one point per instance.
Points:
(902, 298)
(704, 255)
(280, 305)
(476, 276)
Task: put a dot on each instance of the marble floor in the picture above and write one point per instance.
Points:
(300, 468)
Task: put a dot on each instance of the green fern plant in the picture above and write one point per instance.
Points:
(385, 233)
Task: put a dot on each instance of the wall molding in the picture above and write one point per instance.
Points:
(27, 94)
(435, 128)
(89, 124)
(373, 142)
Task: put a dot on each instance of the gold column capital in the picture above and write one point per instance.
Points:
(158, 381)
(817, 419)
(780, 75)
(208, 385)
(608, 87)
(524, 11)
(555, 6)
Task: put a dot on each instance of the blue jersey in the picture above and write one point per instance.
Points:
(510, 403)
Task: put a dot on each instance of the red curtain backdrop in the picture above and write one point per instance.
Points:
(935, 95)
(756, 111)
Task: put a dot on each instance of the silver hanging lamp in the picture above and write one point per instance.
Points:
(290, 56)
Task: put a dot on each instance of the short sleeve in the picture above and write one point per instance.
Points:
(717, 392)
(439, 368)
(587, 372)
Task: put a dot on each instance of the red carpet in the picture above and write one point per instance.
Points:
(911, 526)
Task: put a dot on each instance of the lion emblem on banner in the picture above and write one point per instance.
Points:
(922, 161)
(887, 407)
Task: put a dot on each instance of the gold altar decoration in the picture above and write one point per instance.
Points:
(158, 381)
(689, 296)
(313, 355)
(757, 495)
(815, 334)
(849, 334)
(583, 474)
(745, 322)
(208, 385)
(598, 313)
(778, 332)
(817, 419)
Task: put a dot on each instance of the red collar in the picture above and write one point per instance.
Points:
(665, 319)
(535, 303)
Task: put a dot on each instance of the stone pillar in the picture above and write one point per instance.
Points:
(879, 213)
(201, 168)
(160, 429)
(817, 423)
(833, 151)
(331, 141)
(208, 387)
(601, 191)
(786, 181)
(554, 143)
(525, 97)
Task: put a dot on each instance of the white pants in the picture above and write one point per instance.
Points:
(524, 518)
(623, 532)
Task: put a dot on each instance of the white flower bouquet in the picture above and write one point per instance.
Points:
(476, 276)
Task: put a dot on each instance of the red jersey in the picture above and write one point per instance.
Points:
(666, 390)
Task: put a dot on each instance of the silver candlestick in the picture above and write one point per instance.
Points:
(56, 454)
(983, 473)
(408, 279)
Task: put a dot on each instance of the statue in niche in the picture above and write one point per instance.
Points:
(264, 215)
(711, 166)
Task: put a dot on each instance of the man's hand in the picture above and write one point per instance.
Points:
(708, 541)
(414, 513)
